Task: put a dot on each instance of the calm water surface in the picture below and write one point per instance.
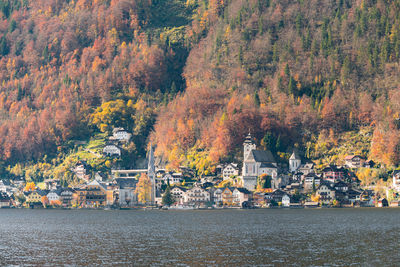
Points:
(308, 237)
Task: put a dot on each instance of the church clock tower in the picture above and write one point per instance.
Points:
(248, 146)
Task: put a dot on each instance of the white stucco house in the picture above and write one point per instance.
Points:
(112, 150)
(53, 196)
(121, 134)
(286, 201)
(230, 170)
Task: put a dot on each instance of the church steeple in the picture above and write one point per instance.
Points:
(151, 173)
(248, 146)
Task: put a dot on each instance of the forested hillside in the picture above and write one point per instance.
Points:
(294, 73)
(197, 75)
(70, 69)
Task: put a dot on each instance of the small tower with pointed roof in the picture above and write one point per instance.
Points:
(294, 161)
(248, 146)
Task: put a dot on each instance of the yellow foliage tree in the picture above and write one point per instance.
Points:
(30, 186)
(56, 203)
(143, 189)
(45, 201)
(367, 176)
(315, 198)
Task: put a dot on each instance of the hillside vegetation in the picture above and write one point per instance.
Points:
(291, 72)
(197, 76)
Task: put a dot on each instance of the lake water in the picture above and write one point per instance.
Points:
(307, 237)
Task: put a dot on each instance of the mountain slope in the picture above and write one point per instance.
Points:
(288, 71)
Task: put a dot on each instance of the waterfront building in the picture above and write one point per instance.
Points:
(54, 196)
(178, 194)
(286, 201)
(5, 200)
(326, 193)
(66, 197)
(227, 196)
(196, 196)
(217, 197)
(240, 196)
(92, 195)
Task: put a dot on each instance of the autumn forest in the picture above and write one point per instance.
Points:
(194, 77)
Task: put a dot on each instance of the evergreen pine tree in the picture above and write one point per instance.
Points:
(167, 198)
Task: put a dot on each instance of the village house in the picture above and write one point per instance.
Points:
(333, 173)
(256, 163)
(121, 135)
(280, 181)
(173, 178)
(326, 193)
(311, 182)
(52, 184)
(35, 197)
(241, 197)
(81, 170)
(54, 197)
(354, 161)
(92, 195)
(5, 200)
(230, 170)
(367, 198)
(112, 150)
(259, 199)
(66, 197)
(306, 168)
(341, 186)
(5, 186)
(277, 195)
(196, 196)
(178, 194)
(293, 188)
(294, 162)
(286, 201)
(227, 196)
(369, 164)
(217, 197)
(296, 177)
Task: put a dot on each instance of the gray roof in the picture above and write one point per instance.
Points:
(267, 165)
(260, 156)
(243, 190)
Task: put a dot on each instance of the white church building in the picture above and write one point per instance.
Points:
(255, 163)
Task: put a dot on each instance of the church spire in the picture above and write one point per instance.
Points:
(151, 173)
